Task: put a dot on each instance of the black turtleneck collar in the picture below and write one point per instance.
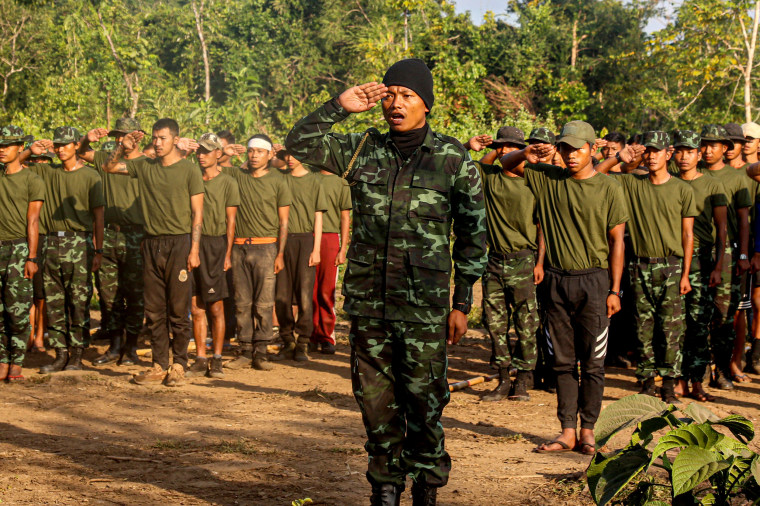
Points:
(407, 142)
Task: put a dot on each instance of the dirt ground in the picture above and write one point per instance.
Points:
(266, 438)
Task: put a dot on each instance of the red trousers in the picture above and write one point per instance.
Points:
(324, 290)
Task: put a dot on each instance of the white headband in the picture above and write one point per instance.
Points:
(258, 142)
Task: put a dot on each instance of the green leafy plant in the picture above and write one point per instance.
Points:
(702, 465)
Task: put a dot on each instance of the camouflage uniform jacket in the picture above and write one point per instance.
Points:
(399, 260)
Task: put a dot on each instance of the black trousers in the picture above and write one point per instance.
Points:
(168, 289)
(577, 328)
(295, 285)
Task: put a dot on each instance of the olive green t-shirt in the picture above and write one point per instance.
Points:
(708, 194)
(655, 212)
(306, 198)
(337, 197)
(165, 194)
(16, 192)
(575, 215)
(122, 195)
(70, 197)
(221, 192)
(260, 200)
(737, 190)
(510, 211)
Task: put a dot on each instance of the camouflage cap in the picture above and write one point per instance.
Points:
(509, 135)
(11, 134)
(541, 135)
(716, 133)
(656, 139)
(734, 131)
(210, 141)
(576, 134)
(124, 126)
(686, 139)
(66, 135)
(108, 146)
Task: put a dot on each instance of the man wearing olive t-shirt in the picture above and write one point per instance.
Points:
(171, 196)
(582, 214)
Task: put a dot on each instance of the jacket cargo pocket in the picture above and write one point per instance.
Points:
(430, 279)
(430, 195)
(370, 190)
(361, 271)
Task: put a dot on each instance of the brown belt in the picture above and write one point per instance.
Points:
(255, 240)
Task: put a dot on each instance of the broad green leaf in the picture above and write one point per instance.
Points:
(739, 473)
(643, 433)
(626, 412)
(701, 436)
(693, 466)
(739, 426)
(708, 500)
(729, 447)
(755, 468)
(607, 475)
(699, 413)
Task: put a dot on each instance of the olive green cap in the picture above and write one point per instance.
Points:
(66, 135)
(716, 133)
(210, 141)
(11, 134)
(576, 134)
(656, 139)
(509, 135)
(541, 135)
(686, 139)
(124, 126)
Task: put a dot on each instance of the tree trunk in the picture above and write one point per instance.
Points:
(406, 30)
(748, 67)
(133, 95)
(204, 50)
(108, 108)
(574, 48)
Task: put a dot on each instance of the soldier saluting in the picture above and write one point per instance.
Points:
(408, 185)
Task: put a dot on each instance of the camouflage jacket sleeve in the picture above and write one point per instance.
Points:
(469, 214)
(312, 143)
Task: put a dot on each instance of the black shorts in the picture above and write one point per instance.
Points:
(37, 282)
(210, 280)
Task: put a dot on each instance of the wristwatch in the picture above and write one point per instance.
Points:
(461, 306)
(619, 294)
(31, 259)
(99, 251)
(743, 257)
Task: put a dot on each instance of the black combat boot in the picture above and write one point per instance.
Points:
(61, 357)
(721, 379)
(423, 495)
(753, 360)
(647, 387)
(243, 360)
(386, 494)
(113, 353)
(300, 353)
(668, 391)
(286, 352)
(129, 351)
(75, 359)
(261, 362)
(501, 392)
(519, 391)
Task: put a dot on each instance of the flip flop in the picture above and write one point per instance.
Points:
(740, 378)
(582, 448)
(20, 377)
(565, 447)
(703, 397)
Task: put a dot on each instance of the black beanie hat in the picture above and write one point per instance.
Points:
(412, 73)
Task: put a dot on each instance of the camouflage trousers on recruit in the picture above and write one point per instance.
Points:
(727, 297)
(120, 281)
(699, 313)
(68, 290)
(15, 302)
(510, 295)
(660, 318)
(398, 374)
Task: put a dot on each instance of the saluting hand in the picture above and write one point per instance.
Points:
(96, 134)
(234, 149)
(535, 152)
(131, 140)
(362, 98)
(41, 146)
(479, 142)
(185, 144)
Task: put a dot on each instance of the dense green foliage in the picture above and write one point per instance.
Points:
(272, 61)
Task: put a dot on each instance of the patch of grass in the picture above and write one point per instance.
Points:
(514, 438)
(38, 379)
(241, 446)
(170, 444)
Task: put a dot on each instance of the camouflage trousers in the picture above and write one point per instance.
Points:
(68, 289)
(660, 318)
(398, 374)
(699, 313)
(510, 295)
(119, 281)
(15, 302)
(727, 297)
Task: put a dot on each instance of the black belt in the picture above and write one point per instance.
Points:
(657, 260)
(68, 233)
(124, 228)
(511, 256)
(10, 242)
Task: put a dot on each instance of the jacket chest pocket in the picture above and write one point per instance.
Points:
(431, 276)
(430, 195)
(369, 190)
